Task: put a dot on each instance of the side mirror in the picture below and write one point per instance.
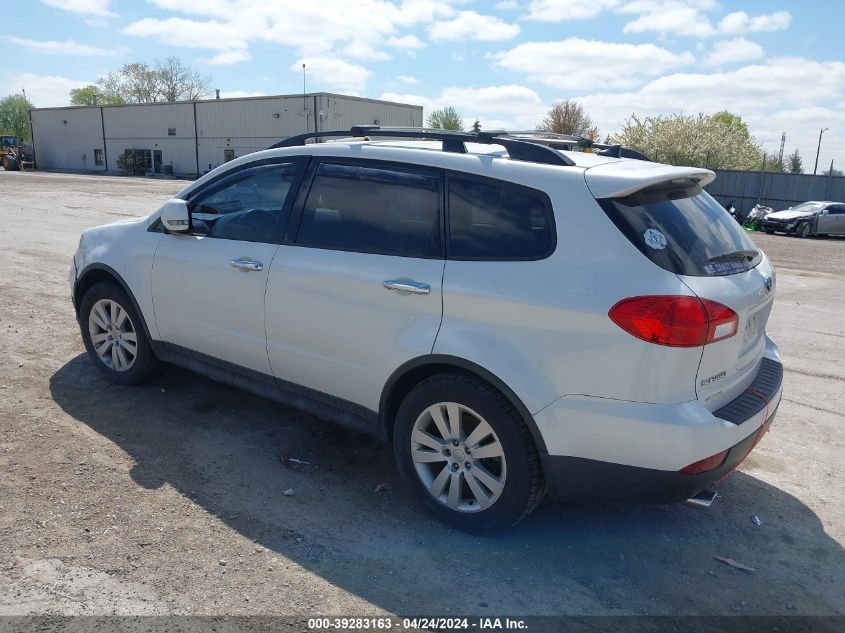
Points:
(174, 216)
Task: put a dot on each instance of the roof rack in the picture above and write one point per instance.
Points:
(532, 146)
(568, 141)
(518, 149)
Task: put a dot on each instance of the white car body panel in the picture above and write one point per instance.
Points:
(658, 436)
(127, 248)
(205, 304)
(332, 325)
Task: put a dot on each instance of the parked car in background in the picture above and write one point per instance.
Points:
(808, 218)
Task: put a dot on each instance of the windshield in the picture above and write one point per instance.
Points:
(681, 228)
(807, 207)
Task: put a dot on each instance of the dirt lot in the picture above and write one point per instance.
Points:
(169, 498)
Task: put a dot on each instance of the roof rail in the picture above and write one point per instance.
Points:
(518, 149)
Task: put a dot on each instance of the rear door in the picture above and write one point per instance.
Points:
(681, 228)
(356, 290)
(832, 219)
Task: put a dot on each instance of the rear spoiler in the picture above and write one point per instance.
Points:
(618, 180)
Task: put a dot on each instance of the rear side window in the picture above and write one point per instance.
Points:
(496, 220)
(372, 210)
(682, 229)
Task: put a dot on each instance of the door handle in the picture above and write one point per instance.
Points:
(247, 264)
(414, 287)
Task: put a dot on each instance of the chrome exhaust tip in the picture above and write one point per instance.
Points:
(703, 499)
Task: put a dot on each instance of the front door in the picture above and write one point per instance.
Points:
(208, 285)
(832, 219)
(358, 292)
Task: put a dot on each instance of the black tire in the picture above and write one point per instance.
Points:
(145, 364)
(524, 485)
(803, 230)
(770, 232)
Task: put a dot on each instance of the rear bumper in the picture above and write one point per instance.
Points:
(576, 477)
(611, 449)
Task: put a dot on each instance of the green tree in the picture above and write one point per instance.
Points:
(168, 80)
(732, 121)
(85, 96)
(476, 127)
(446, 118)
(14, 116)
(714, 142)
(568, 117)
(771, 163)
(833, 172)
(794, 164)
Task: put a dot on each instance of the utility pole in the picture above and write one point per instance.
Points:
(303, 80)
(782, 143)
(829, 178)
(819, 149)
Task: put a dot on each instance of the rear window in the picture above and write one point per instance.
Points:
(681, 228)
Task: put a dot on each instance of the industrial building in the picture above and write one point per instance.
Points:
(194, 137)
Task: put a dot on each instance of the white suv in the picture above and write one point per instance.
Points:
(512, 316)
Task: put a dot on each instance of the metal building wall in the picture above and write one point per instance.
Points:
(145, 127)
(779, 191)
(247, 125)
(66, 138)
(205, 132)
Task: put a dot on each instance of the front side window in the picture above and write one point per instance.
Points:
(372, 210)
(247, 206)
(496, 220)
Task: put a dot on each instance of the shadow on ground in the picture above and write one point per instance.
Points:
(221, 448)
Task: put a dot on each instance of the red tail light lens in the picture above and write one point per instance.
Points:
(675, 321)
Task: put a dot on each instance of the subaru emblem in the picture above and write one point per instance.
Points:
(767, 280)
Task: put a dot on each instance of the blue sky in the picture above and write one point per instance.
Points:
(779, 64)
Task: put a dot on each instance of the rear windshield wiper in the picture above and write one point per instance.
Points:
(749, 255)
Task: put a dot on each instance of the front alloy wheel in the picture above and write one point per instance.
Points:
(113, 335)
(458, 457)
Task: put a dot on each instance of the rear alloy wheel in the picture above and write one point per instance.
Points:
(467, 453)
(459, 457)
(114, 335)
(803, 230)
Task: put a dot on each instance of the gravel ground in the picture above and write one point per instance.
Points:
(169, 498)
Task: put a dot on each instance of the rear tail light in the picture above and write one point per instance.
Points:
(703, 465)
(675, 321)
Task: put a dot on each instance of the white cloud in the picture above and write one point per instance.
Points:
(473, 25)
(408, 79)
(733, 51)
(83, 7)
(794, 95)
(240, 94)
(184, 33)
(405, 41)
(497, 107)
(577, 65)
(227, 58)
(562, 10)
(740, 22)
(687, 18)
(330, 72)
(44, 91)
(364, 51)
(66, 47)
(357, 29)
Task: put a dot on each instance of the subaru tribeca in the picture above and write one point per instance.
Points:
(511, 316)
